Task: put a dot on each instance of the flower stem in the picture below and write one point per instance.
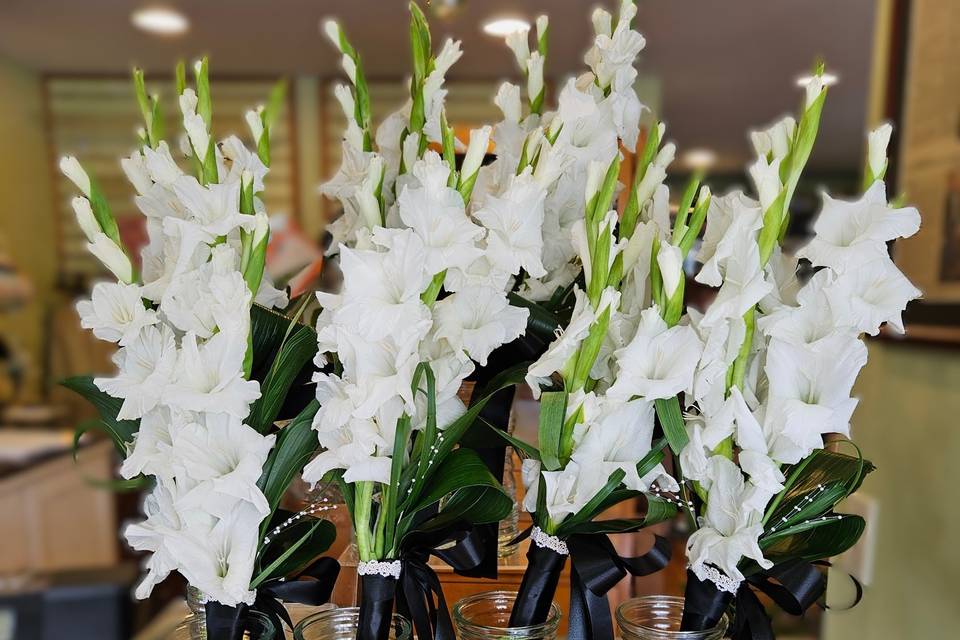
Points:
(363, 508)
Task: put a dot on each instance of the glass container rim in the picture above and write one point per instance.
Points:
(673, 601)
(552, 623)
(403, 626)
(259, 617)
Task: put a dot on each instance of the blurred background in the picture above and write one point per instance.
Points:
(710, 70)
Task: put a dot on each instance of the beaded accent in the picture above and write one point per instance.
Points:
(386, 568)
(722, 581)
(543, 539)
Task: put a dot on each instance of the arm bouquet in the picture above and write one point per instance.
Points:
(626, 350)
(778, 364)
(427, 267)
(204, 370)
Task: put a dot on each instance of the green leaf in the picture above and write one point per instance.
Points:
(657, 511)
(294, 352)
(668, 411)
(121, 432)
(654, 457)
(524, 448)
(297, 552)
(553, 407)
(462, 469)
(296, 444)
(825, 476)
(814, 540)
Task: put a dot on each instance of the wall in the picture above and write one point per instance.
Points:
(908, 425)
(27, 231)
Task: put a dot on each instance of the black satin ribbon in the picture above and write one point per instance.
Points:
(418, 593)
(538, 586)
(596, 568)
(793, 586)
(312, 586)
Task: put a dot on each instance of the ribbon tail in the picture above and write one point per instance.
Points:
(751, 621)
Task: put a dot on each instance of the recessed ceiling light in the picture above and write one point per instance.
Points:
(699, 158)
(829, 79)
(160, 20)
(502, 27)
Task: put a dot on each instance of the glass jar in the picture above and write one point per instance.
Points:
(341, 624)
(486, 616)
(259, 627)
(658, 618)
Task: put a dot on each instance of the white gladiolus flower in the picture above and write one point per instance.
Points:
(220, 450)
(193, 123)
(115, 312)
(214, 208)
(211, 376)
(602, 22)
(670, 262)
(155, 535)
(254, 120)
(565, 345)
(518, 41)
(146, 368)
(877, 143)
(85, 218)
(162, 167)
(534, 75)
(514, 223)
(476, 150)
(729, 218)
(776, 140)
(543, 22)
(354, 449)
(432, 94)
(821, 375)
(112, 257)
(611, 55)
(242, 162)
(508, 101)
(872, 294)
(349, 67)
(216, 555)
(570, 488)
(353, 135)
(151, 451)
(656, 172)
(766, 179)
(210, 298)
(70, 167)
(743, 283)
(478, 321)
(381, 289)
(332, 30)
(731, 529)
(659, 362)
(848, 234)
(813, 89)
(135, 168)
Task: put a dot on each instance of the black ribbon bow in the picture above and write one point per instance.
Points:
(418, 593)
(794, 586)
(312, 586)
(596, 567)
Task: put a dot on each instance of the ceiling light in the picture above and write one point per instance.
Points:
(503, 27)
(698, 158)
(829, 79)
(162, 21)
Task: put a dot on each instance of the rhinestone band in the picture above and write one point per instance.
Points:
(543, 539)
(721, 580)
(386, 569)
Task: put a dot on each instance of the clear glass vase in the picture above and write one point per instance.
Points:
(341, 624)
(486, 616)
(658, 618)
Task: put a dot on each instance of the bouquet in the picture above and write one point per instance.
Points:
(780, 358)
(427, 258)
(204, 369)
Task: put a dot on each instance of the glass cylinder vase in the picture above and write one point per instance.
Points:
(257, 627)
(658, 618)
(486, 616)
(341, 624)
